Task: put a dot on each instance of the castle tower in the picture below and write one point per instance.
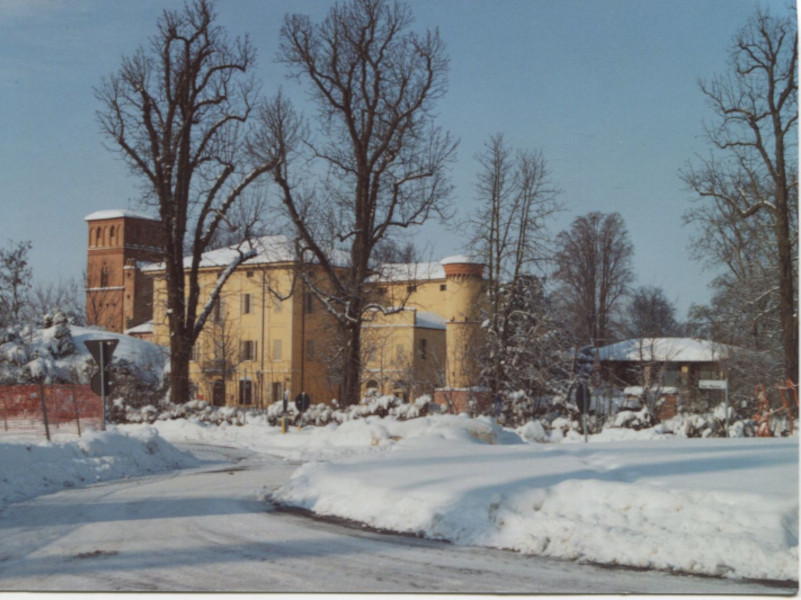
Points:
(118, 295)
(465, 288)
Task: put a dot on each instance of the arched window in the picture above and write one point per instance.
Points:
(98, 234)
(111, 233)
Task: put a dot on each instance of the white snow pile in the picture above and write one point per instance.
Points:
(29, 469)
(724, 507)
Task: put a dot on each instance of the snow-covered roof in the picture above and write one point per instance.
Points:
(269, 249)
(117, 214)
(146, 327)
(408, 272)
(459, 259)
(665, 349)
(429, 320)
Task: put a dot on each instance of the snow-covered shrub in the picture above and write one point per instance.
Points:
(533, 431)
(135, 384)
(58, 337)
(318, 415)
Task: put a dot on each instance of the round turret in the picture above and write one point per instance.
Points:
(465, 281)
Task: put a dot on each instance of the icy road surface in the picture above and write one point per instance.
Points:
(206, 529)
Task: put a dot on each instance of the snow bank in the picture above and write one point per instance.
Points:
(714, 507)
(723, 507)
(31, 469)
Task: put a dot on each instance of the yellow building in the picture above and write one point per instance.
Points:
(268, 336)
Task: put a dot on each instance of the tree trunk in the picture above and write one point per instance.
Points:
(179, 370)
(180, 341)
(352, 366)
(786, 291)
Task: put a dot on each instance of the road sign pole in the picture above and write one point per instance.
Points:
(102, 390)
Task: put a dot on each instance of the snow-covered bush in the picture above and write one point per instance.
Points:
(58, 337)
(533, 431)
(136, 384)
(318, 415)
(637, 420)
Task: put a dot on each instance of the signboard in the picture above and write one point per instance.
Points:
(302, 402)
(102, 350)
(101, 385)
(713, 384)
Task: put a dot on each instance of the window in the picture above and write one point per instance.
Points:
(443, 287)
(246, 303)
(277, 349)
(278, 394)
(249, 273)
(423, 349)
(195, 352)
(245, 391)
(216, 312)
(400, 353)
(104, 275)
(247, 350)
(411, 288)
(382, 291)
(308, 303)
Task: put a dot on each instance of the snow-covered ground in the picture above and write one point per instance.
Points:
(31, 467)
(714, 506)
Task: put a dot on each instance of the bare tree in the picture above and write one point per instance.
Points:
(510, 236)
(751, 175)
(221, 343)
(650, 314)
(593, 266)
(65, 295)
(378, 162)
(15, 281)
(177, 113)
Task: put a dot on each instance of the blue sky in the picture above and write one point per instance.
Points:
(607, 89)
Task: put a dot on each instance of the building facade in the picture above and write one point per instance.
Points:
(269, 337)
(119, 296)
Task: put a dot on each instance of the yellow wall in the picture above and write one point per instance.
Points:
(392, 352)
(394, 361)
(275, 325)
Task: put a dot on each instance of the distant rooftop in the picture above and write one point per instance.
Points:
(117, 214)
(664, 350)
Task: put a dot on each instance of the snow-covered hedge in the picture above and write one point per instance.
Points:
(318, 414)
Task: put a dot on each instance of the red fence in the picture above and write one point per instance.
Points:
(49, 408)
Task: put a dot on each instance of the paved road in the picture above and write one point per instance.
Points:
(207, 529)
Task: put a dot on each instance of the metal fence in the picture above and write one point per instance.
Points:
(49, 409)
